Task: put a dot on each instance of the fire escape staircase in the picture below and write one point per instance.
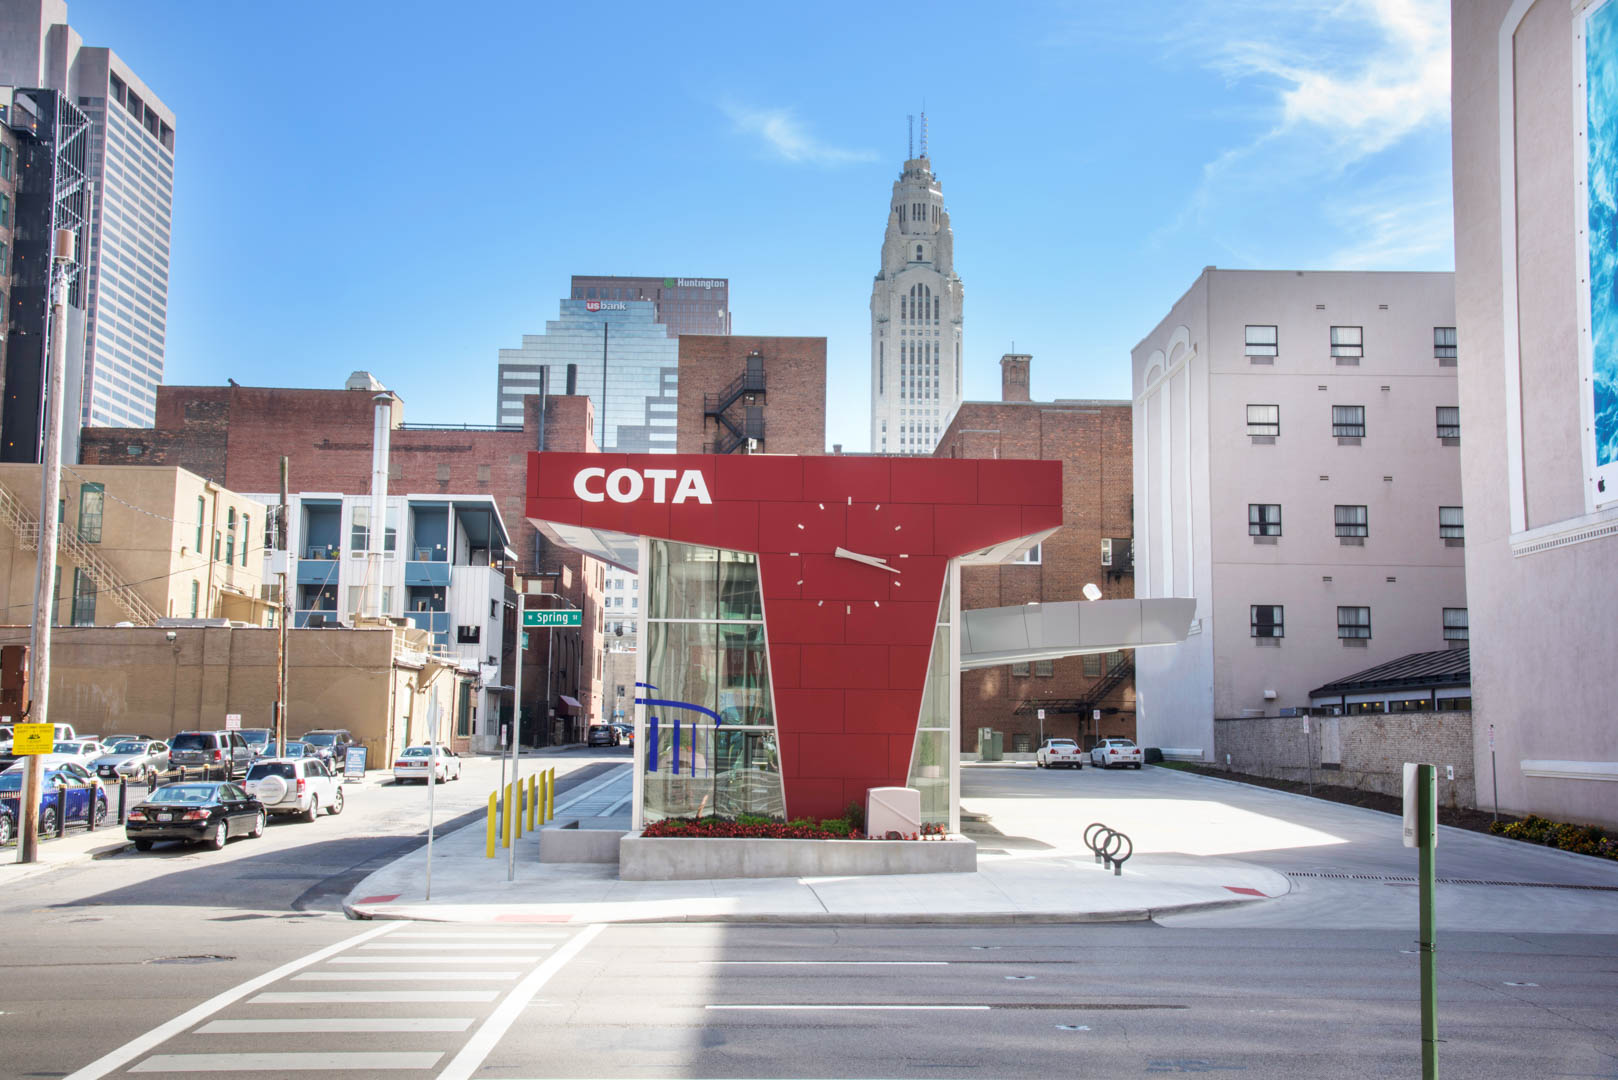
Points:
(738, 426)
(1109, 682)
(107, 581)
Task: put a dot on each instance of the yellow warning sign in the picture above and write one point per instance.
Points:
(33, 738)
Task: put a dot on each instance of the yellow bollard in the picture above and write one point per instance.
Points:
(544, 796)
(533, 803)
(507, 816)
(488, 841)
(519, 805)
(550, 795)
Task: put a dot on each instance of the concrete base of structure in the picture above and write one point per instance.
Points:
(568, 843)
(678, 858)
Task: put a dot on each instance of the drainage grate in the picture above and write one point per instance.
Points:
(1402, 879)
(197, 958)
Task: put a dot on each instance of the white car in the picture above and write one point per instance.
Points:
(86, 750)
(302, 786)
(1110, 753)
(1059, 754)
(412, 764)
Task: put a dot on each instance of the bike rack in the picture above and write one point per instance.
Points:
(1112, 848)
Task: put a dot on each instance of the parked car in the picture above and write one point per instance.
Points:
(331, 744)
(257, 739)
(67, 786)
(1059, 754)
(292, 749)
(132, 759)
(295, 786)
(207, 812)
(602, 735)
(413, 762)
(626, 733)
(1109, 753)
(8, 824)
(212, 755)
(86, 750)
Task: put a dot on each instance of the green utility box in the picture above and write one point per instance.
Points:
(991, 745)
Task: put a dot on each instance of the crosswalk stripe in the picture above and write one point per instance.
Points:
(315, 1025)
(448, 947)
(368, 997)
(283, 1061)
(525, 958)
(402, 976)
(519, 937)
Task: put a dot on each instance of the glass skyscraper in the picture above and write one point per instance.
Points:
(625, 361)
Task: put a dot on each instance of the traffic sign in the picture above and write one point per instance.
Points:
(553, 617)
(33, 739)
(233, 721)
(1042, 714)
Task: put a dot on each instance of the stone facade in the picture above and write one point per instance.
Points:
(1366, 752)
(792, 406)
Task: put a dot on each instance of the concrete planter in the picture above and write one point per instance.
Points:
(679, 858)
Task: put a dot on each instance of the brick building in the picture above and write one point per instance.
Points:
(236, 436)
(1092, 439)
(768, 389)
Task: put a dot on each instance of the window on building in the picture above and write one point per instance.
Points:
(230, 536)
(92, 501)
(1020, 669)
(1031, 556)
(1347, 341)
(468, 635)
(1092, 664)
(247, 532)
(1352, 521)
(1449, 421)
(1444, 342)
(1261, 341)
(84, 599)
(1044, 668)
(1354, 622)
(1106, 551)
(356, 599)
(387, 599)
(202, 516)
(5, 162)
(1263, 519)
(1451, 523)
(1348, 421)
(5, 260)
(1115, 660)
(1264, 420)
(216, 542)
(1456, 626)
(196, 597)
(1267, 620)
(5, 211)
(359, 534)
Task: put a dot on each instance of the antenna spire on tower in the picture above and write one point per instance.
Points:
(910, 137)
(924, 133)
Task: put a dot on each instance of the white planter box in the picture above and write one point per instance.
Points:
(681, 858)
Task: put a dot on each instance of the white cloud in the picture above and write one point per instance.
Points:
(785, 137)
(1396, 227)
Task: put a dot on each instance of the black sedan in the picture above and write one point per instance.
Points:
(207, 812)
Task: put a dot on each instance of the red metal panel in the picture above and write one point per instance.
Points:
(723, 524)
(826, 576)
(779, 576)
(837, 479)
(892, 712)
(820, 711)
(784, 664)
(556, 472)
(960, 529)
(896, 622)
(907, 666)
(933, 480)
(563, 511)
(1005, 481)
(806, 621)
(758, 478)
(817, 797)
(837, 755)
(922, 579)
(1037, 519)
(885, 529)
(901, 748)
(854, 667)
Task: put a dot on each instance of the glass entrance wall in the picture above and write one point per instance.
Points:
(931, 771)
(711, 752)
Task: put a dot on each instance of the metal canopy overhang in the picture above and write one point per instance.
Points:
(1028, 632)
(615, 548)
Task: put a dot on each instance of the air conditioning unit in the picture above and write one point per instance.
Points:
(1269, 695)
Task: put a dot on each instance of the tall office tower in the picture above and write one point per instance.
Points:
(131, 176)
(620, 355)
(915, 317)
(683, 305)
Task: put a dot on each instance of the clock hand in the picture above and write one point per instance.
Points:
(869, 560)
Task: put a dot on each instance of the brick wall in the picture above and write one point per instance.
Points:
(1372, 750)
(1093, 440)
(794, 401)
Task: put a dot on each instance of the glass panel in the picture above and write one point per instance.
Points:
(930, 758)
(1451, 522)
(744, 680)
(359, 539)
(1261, 341)
(92, 500)
(739, 596)
(685, 582)
(1352, 521)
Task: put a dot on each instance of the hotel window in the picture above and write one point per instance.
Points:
(1267, 620)
(247, 531)
(1444, 342)
(92, 500)
(1347, 341)
(1449, 421)
(1352, 521)
(84, 599)
(1354, 622)
(1348, 421)
(1030, 557)
(202, 514)
(1456, 626)
(1264, 420)
(1263, 519)
(230, 536)
(196, 597)
(1451, 523)
(1261, 341)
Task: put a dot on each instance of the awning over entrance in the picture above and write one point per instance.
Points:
(570, 702)
(1028, 632)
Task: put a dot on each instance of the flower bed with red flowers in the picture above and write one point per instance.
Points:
(725, 829)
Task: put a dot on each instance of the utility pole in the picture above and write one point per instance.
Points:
(283, 534)
(50, 492)
(514, 802)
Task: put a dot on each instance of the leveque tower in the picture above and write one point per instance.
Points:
(915, 317)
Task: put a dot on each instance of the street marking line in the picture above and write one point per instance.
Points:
(386, 898)
(315, 1025)
(613, 777)
(514, 958)
(862, 1008)
(368, 997)
(282, 1061)
(493, 937)
(1242, 890)
(452, 947)
(403, 976)
(471, 1056)
(163, 1032)
(830, 963)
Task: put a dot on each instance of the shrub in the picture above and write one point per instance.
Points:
(1580, 839)
(837, 826)
(855, 813)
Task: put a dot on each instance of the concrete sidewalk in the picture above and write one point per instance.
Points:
(1020, 879)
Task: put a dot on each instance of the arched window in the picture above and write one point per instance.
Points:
(918, 253)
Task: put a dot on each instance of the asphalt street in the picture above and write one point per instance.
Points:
(195, 963)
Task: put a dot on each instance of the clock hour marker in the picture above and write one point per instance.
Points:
(878, 603)
(800, 524)
(896, 528)
(823, 506)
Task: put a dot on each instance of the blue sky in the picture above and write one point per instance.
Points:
(383, 186)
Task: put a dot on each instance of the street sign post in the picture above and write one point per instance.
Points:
(233, 721)
(1041, 726)
(553, 617)
(1421, 833)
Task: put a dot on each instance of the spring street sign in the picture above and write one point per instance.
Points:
(553, 618)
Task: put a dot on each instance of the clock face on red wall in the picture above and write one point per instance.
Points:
(853, 555)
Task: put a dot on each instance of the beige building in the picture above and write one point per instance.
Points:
(378, 682)
(1535, 307)
(137, 544)
(1297, 471)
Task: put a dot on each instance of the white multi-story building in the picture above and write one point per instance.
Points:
(915, 317)
(1297, 471)
(131, 179)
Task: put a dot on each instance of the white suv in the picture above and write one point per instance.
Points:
(295, 786)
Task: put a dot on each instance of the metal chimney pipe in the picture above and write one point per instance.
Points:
(381, 433)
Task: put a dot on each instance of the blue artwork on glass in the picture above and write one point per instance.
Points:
(1601, 80)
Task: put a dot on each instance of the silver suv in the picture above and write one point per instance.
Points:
(209, 755)
(302, 786)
